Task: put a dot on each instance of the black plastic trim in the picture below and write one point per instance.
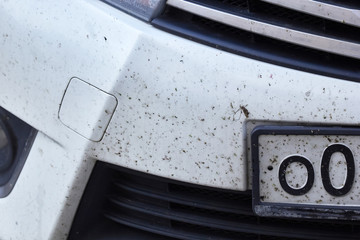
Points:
(109, 212)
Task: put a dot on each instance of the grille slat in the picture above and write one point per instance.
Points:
(188, 199)
(237, 224)
(342, 3)
(179, 233)
(322, 10)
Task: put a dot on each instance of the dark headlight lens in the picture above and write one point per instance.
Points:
(16, 138)
(6, 148)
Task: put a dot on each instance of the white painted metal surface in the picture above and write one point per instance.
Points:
(45, 197)
(86, 109)
(181, 107)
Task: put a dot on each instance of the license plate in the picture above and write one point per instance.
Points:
(306, 172)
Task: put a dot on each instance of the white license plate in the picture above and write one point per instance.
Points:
(306, 172)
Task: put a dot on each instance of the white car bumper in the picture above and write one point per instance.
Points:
(183, 110)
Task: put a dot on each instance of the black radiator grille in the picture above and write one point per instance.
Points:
(264, 48)
(151, 207)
